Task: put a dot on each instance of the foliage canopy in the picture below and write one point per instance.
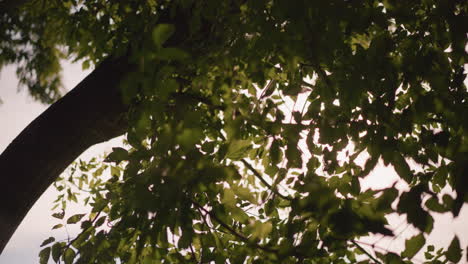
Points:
(246, 121)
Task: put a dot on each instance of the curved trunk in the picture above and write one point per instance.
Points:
(91, 113)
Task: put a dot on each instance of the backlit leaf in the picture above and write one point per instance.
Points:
(454, 252)
(75, 218)
(69, 256)
(162, 32)
(47, 241)
(44, 255)
(413, 245)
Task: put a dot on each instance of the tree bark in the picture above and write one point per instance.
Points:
(91, 113)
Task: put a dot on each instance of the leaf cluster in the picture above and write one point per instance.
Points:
(248, 119)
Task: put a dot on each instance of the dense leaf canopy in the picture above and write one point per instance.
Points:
(247, 120)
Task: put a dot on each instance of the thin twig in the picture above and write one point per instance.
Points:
(208, 225)
(365, 252)
(385, 250)
(268, 88)
(79, 235)
(259, 176)
(233, 231)
(193, 253)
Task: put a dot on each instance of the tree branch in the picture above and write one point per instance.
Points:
(91, 113)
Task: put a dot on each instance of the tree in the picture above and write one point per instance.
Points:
(217, 168)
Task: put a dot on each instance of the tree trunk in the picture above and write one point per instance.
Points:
(91, 113)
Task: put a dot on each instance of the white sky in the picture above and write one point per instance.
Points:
(18, 110)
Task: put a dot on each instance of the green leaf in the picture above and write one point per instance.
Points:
(294, 156)
(208, 146)
(69, 256)
(86, 224)
(434, 205)
(189, 137)
(44, 255)
(184, 241)
(239, 214)
(370, 164)
(228, 198)
(402, 168)
(392, 258)
(238, 149)
(413, 245)
(172, 54)
(355, 186)
(454, 252)
(117, 155)
(271, 170)
(85, 65)
(57, 251)
(57, 226)
(410, 203)
(100, 221)
(47, 241)
(59, 215)
(75, 218)
(245, 194)
(440, 177)
(261, 230)
(115, 171)
(275, 152)
(162, 32)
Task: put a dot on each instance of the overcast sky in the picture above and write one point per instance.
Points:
(18, 110)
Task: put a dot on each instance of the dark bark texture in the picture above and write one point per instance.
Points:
(91, 113)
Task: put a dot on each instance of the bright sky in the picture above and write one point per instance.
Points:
(18, 110)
